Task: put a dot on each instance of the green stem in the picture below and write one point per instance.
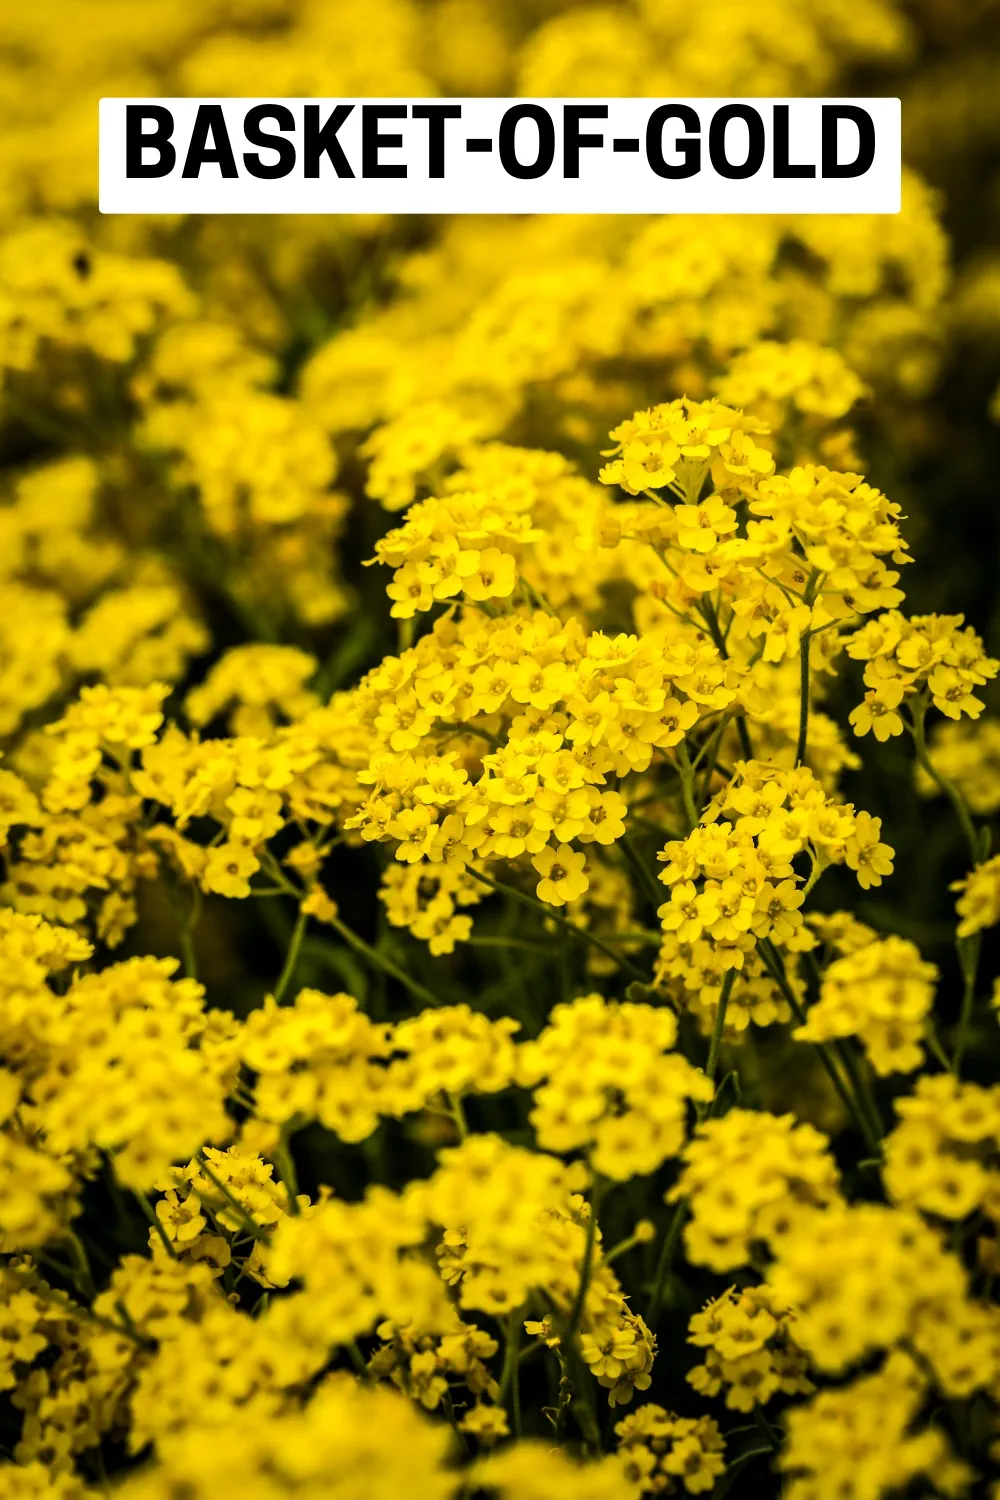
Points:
(968, 950)
(510, 1383)
(766, 1428)
(773, 965)
(188, 957)
(534, 596)
(379, 961)
(665, 1261)
(155, 1224)
(861, 1086)
(56, 1298)
(565, 1397)
(968, 953)
(246, 1218)
(457, 1112)
(686, 771)
(623, 1247)
(711, 762)
(950, 790)
(711, 1067)
(516, 1399)
(680, 1213)
(934, 1043)
(712, 621)
(460, 727)
(849, 1061)
(654, 890)
(186, 924)
(284, 1165)
(81, 1265)
(586, 1267)
(552, 915)
(808, 596)
(800, 748)
(38, 422)
(292, 956)
(188, 927)
(517, 944)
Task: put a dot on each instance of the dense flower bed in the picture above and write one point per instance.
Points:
(467, 702)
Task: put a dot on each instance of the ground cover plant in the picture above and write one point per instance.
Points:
(498, 772)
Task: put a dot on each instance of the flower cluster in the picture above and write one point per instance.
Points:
(882, 993)
(426, 1365)
(750, 1178)
(966, 752)
(865, 1277)
(465, 545)
(733, 882)
(914, 663)
(942, 1155)
(978, 904)
(813, 380)
(58, 289)
(609, 1080)
(871, 1426)
(676, 446)
(658, 1449)
(751, 1350)
(460, 973)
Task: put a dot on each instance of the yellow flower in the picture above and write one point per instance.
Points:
(878, 712)
(494, 577)
(228, 868)
(699, 527)
(319, 905)
(563, 872)
(978, 905)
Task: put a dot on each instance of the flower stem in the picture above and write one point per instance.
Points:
(711, 1067)
(968, 954)
(292, 956)
(968, 949)
(766, 1428)
(950, 790)
(379, 961)
(800, 748)
(510, 1383)
(712, 621)
(861, 1086)
(665, 1261)
(56, 1298)
(255, 1230)
(284, 1165)
(457, 1113)
(586, 1267)
(552, 915)
(711, 762)
(647, 879)
(154, 1222)
(686, 771)
(807, 598)
(773, 965)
